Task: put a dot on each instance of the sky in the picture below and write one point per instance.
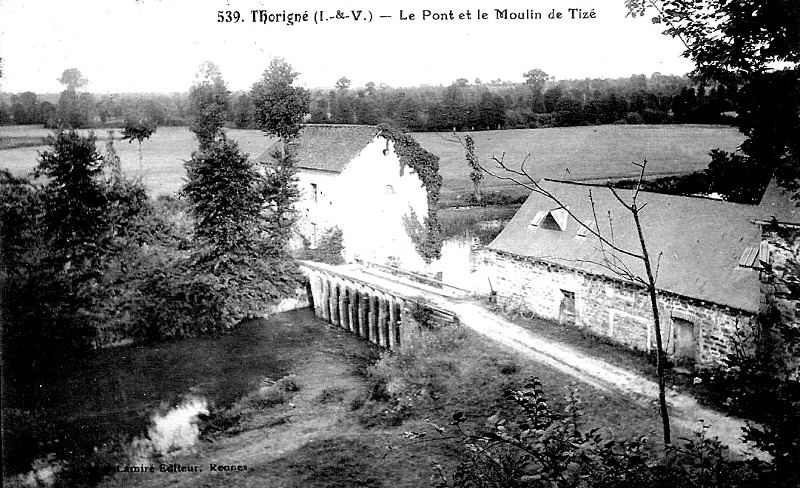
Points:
(158, 45)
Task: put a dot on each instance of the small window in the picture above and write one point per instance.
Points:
(555, 220)
(314, 192)
(537, 219)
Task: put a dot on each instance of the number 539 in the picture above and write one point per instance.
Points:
(228, 16)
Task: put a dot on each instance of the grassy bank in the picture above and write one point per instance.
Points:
(483, 223)
(345, 416)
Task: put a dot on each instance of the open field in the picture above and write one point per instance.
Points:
(582, 153)
(162, 156)
(571, 153)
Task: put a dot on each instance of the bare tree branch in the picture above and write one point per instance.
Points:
(611, 252)
(530, 183)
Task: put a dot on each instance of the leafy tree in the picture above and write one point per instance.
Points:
(25, 109)
(535, 80)
(209, 102)
(138, 129)
(343, 83)
(407, 115)
(753, 48)
(491, 111)
(279, 193)
(75, 204)
(366, 108)
(233, 276)
(73, 79)
(319, 108)
(241, 110)
(223, 188)
(342, 110)
(279, 106)
(66, 228)
(73, 111)
(279, 110)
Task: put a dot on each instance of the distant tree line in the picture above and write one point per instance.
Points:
(540, 101)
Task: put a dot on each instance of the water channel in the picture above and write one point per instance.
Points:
(113, 393)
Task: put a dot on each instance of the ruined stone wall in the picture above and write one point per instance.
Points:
(783, 249)
(611, 308)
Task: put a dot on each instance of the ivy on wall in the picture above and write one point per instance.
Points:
(429, 241)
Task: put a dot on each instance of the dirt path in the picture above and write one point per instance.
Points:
(685, 412)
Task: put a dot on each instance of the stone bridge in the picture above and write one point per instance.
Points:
(369, 302)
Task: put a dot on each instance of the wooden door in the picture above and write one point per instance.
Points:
(685, 341)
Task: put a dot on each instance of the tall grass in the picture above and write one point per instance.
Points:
(484, 223)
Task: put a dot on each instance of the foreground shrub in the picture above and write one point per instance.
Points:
(530, 445)
(175, 302)
(436, 366)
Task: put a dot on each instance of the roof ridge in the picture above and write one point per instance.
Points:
(340, 125)
(666, 195)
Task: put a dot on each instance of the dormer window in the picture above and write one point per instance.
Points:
(555, 219)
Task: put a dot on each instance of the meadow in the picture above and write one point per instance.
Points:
(589, 153)
(162, 155)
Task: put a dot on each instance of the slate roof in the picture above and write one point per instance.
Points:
(327, 147)
(701, 241)
(778, 203)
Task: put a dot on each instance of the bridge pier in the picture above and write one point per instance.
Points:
(371, 311)
(362, 314)
(343, 305)
(373, 318)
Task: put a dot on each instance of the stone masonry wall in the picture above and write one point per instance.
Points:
(612, 308)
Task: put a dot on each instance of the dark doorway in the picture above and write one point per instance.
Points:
(685, 341)
(567, 309)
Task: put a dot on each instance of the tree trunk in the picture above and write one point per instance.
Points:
(651, 288)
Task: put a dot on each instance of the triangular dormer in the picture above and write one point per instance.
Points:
(555, 220)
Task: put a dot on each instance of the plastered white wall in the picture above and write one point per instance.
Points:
(367, 201)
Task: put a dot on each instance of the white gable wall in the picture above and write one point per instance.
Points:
(370, 200)
(367, 201)
(315, 208)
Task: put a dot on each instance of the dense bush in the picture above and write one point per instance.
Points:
(437, 367)
(329, 250)
(757, 382)
(64, 254)
(531, 445)
(174, 301)
(241, 255)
